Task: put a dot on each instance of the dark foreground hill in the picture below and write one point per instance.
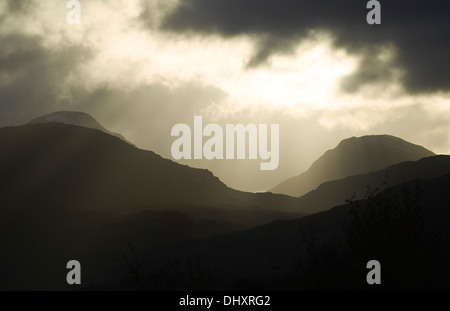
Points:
(174, 252)
(405, 227)
(37, 242)
(353, 156)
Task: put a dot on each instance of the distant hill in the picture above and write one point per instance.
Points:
(73, 118)
(337, 192)
(352, 156)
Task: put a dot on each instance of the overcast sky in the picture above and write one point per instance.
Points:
(314, 67)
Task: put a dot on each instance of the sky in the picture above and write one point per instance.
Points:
(316, 68)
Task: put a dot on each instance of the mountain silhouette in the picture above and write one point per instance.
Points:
(74, 192)
(352, 156)
(70, 191)
(54, 164)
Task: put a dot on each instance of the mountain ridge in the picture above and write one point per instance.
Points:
(67, 165)
(337, 192)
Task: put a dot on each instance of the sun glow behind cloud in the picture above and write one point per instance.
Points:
(299, 84)
(307, 79)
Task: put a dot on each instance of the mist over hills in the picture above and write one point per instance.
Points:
(351, 157)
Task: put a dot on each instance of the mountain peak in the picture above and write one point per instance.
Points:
(353, 156)
(76, 118)
(69, 117)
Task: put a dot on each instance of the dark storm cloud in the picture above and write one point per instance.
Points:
(268, 45)
(419, 31)
(36, 79)
(371, 69)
